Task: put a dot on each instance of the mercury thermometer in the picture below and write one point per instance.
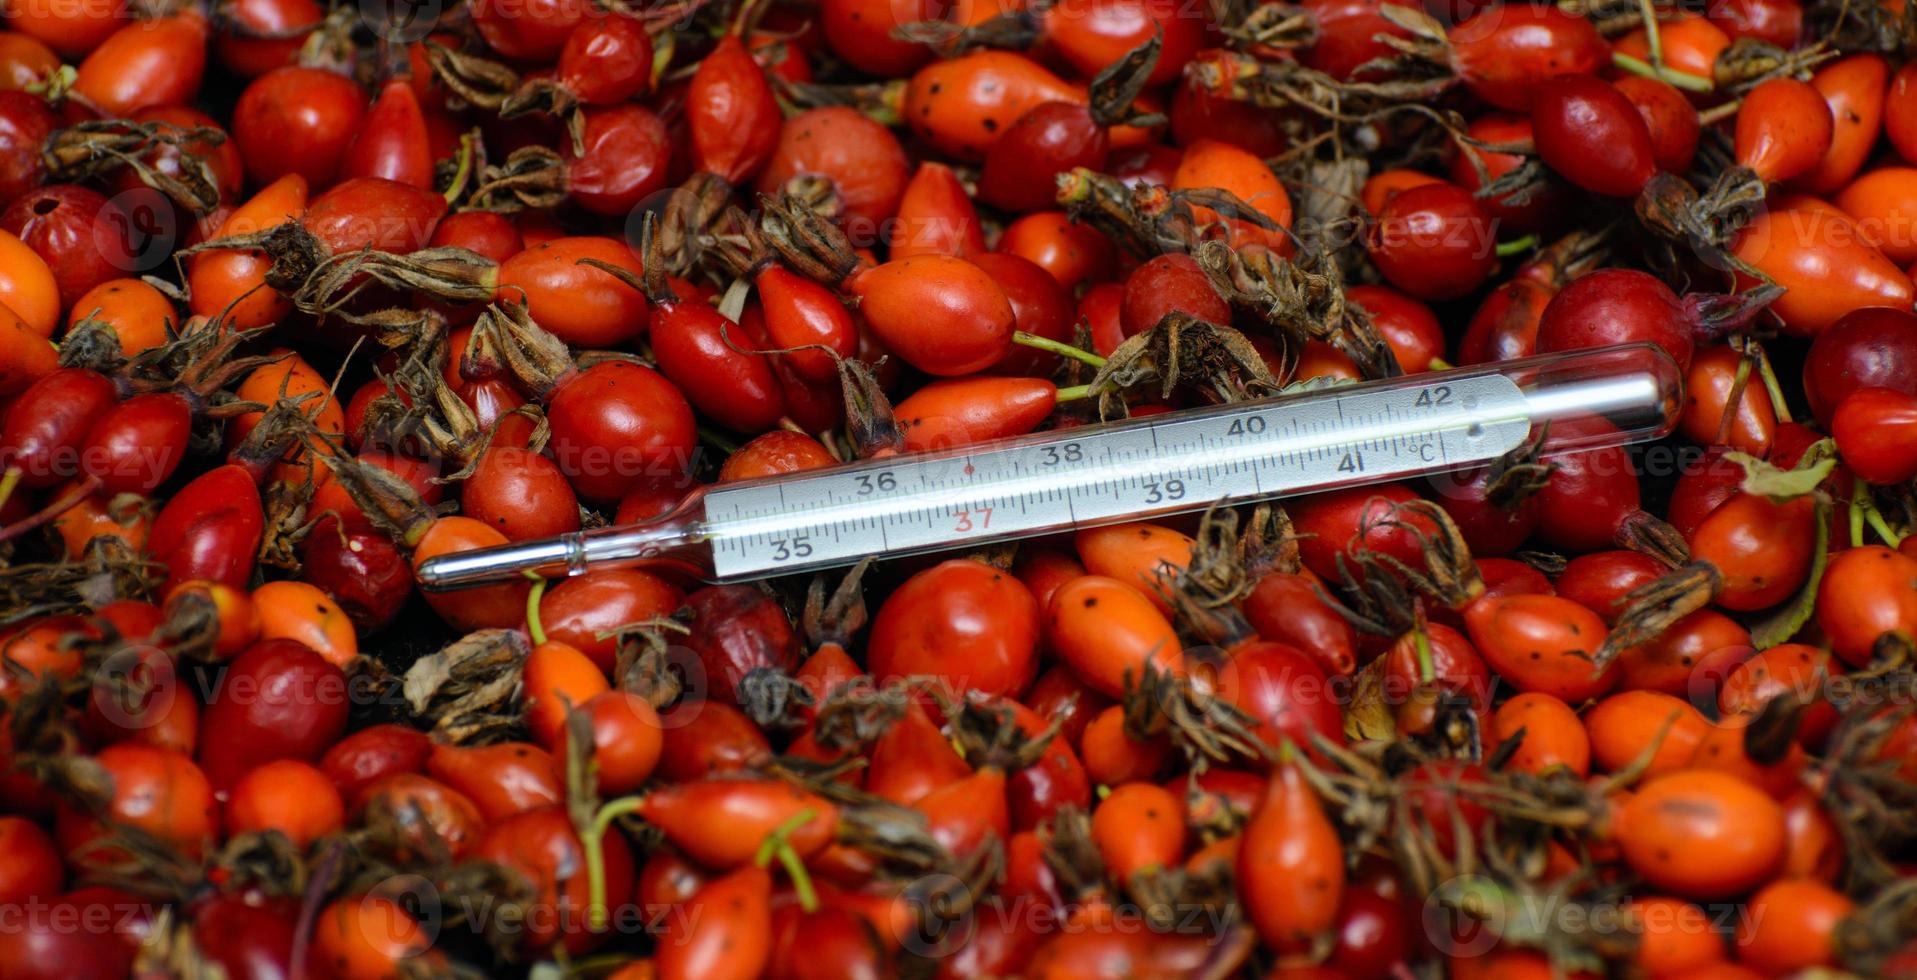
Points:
(1112, 472)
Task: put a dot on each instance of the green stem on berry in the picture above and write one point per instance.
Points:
(1675, 79)
(54, 84)
(777, 844)
(1517, 246)
(1771, 386)
(662, 52)
(468, 149)
(1427, 670)
(535, 628)
(1740, 383)
(1073, 393)
(593, 843)
(1857, 498)
(1036, 342)
(800, 878)
(1874, 517)
(1648, 10)
(1718, 113)
(1890, 534)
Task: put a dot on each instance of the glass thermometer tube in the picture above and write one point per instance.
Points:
(1321, 439)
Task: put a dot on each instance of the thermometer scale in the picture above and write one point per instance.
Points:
(1314, 440)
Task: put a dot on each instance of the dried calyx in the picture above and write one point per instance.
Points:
(1704, 225)
(1181, 351)
(1286, 85)
(547, 97)
(1300, 300)
(199, 365)
(1750, 62)
(447, 273)
(1266, 28)
(319, 282)
(469, 691)
(1205, 593)
(1015, 31)
(439, 424)
(699, 226)
(881, 101)
(1516, 475)
(870, 425)
(278, 433)
(1143, 218)
(107, 570)
(480, 82)
(835, 617)
(536, 358)
(991, 735)
(96, 148)
(806, 241)
(388, 501)
(1115, 90)
(1205, 728)
(531, 178)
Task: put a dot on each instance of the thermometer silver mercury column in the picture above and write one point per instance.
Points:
(1119, 471)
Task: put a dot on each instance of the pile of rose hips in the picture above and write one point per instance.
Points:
(489, 272)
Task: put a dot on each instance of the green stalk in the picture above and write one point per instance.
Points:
(1857, 505)
(535, 628)
(1648, 10)
(1874, 517)
(1718, 113)
(1036, 342)
(1881, 526)
(1517, 246)
(777, 845)
(1676, 79)
(777, 836)
(593, 843)
(465, 172)
(1775, 390)
(800, 878)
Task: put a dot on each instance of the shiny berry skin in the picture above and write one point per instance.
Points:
(1616, 306)
(1502, 53)
(1876, 432)
(1589, 132)
(617, 423)
(77, 232)
(296, 120)
(1050, 139)
(1434, 242)
(1875, 346)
